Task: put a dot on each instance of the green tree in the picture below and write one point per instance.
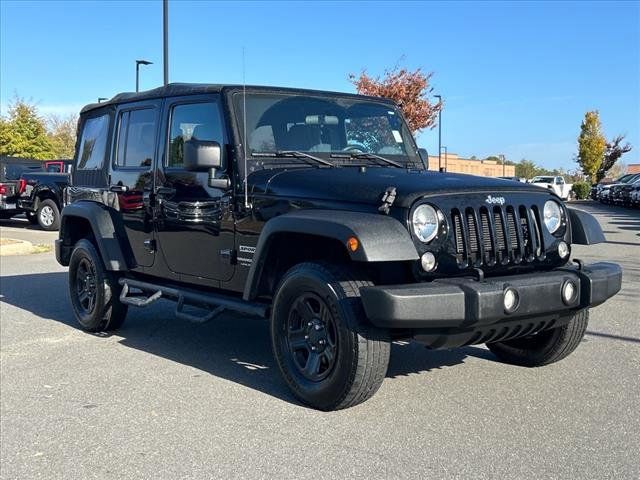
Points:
(526, 169)
(62, 135)
(23, 132)
(612, 154)
(591, 144)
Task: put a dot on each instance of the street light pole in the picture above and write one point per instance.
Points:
(446, 158)
(165, 40)
(439, 97)
(504, 168)
(138, 63)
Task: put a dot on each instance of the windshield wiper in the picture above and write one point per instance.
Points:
(294, 154)
(369, 156)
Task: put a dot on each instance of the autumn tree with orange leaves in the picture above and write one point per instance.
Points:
(408, 89)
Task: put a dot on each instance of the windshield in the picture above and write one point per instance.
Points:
(542, 180)
(341, 129)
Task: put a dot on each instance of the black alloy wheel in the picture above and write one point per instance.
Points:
(311, 337)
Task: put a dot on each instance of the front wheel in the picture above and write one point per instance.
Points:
(328, 353)
(48, 215)
(94, 291)
(546, 347)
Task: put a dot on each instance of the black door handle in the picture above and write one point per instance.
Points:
(118, 188)
(165, 191)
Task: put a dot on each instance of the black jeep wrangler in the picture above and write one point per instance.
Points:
(317, 211)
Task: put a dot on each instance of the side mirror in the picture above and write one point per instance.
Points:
(424, 156)
(200, 155)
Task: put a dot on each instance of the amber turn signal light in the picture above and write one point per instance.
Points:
(353, 244)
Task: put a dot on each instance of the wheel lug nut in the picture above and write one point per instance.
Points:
(313, 348)
(306, 337)
(318, 327)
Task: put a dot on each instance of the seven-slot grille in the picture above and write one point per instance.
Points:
(497, 235)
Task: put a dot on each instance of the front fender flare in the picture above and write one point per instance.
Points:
(381, 238)
(585, 229)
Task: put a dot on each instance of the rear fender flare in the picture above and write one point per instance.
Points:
(104, 228)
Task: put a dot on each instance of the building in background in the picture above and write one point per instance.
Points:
(633, 168)
(484, 168)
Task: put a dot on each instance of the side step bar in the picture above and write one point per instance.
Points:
(152, 292)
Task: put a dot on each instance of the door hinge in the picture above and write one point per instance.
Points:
(229, 256)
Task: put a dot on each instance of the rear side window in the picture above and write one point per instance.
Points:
(93, 143)
(136, 138)
(200, 121)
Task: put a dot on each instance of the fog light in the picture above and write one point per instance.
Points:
(428, 261)
(569, 292)
(563, 250)
(510, 300)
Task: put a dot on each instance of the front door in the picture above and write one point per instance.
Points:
(131, 174)
(194, 222)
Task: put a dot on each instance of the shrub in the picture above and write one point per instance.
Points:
(581, 189)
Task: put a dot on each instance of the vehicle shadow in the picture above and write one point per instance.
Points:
(233, 347)
(19, 222)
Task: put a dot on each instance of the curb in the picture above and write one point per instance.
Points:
(16, 247)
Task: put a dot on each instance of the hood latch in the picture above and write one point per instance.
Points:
(388, 197)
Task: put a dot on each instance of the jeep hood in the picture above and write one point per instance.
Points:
(350, 184)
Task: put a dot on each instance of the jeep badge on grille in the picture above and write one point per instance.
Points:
(491, 200)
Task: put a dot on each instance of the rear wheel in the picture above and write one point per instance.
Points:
(48, 215)
(546, 347)
(328, 353)
(94, 291)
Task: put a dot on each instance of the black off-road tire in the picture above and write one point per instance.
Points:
(355, 355)
(546, 347)
(48, 215)
(103, 311)
(32, 217)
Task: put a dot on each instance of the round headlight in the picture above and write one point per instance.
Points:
(552, 216)
(425, 223)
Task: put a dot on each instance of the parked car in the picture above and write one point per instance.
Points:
(316, 210)
(555, 183)
(617, 191)
(11, 185)
(635, 195)
(58, 166)
(626, 191)
(606, 194)
(42, 198)
(26, 188)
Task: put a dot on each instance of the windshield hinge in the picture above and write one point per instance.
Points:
(388, 197)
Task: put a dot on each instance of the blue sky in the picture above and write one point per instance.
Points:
(516, 77)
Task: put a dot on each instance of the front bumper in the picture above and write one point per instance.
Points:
(460, 303)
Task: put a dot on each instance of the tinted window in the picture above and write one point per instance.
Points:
(93, 143)
(198, 121)
(136, 138)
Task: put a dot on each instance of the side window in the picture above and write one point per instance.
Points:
(198, 121)
(136, 138)
(93, 143)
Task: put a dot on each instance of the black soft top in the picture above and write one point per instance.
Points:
(176, 89)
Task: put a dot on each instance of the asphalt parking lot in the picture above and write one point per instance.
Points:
(167, 399)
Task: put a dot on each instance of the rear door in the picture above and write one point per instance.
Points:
(133, 157)
(194, 222)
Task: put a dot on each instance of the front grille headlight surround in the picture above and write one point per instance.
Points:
(426, 222)
(552, 216)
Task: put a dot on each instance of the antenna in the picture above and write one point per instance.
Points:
(244, 134)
